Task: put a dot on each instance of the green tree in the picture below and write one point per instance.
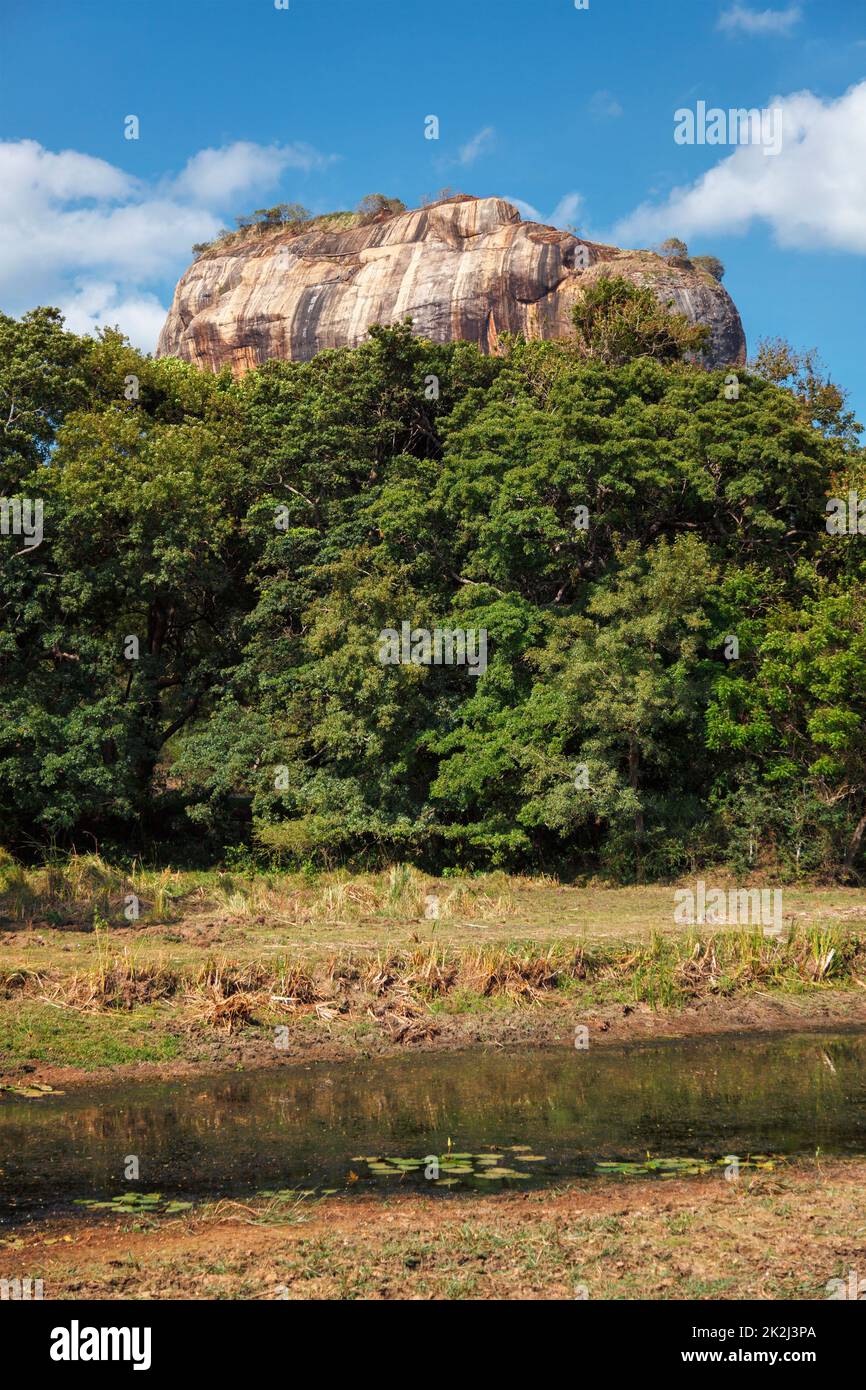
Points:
(711, 264)
(633, 678)
(674, 247)
(617, 321)
(823, 403)
(609, 519)
(142, 540)
(43, 376)
(792, 716)
(374, 204)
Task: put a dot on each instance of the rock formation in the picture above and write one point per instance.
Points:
(463, 268)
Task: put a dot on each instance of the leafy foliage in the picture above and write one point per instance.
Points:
(674, 247)
(712, 264)
(377, 203)
(256, 536)
(617, 321)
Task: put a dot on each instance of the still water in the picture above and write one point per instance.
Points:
(314, 1124)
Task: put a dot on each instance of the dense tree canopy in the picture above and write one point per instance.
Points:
(190, 659)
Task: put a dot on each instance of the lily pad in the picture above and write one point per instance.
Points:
(667, 1168)
(135, 1203)
(33, 1090)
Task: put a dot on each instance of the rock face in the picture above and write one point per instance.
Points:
(467, 268)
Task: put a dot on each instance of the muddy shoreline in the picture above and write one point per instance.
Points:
(549, 1024)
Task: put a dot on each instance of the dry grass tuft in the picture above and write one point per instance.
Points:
(225, 1013)
(523, 977)
(121, 983)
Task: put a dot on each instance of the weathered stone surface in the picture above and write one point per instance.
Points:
(468, 268)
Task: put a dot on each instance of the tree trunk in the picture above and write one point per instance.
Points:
(633, 771)
(854, 844)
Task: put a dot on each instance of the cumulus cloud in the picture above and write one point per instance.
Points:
(83, 234)
(812, 195)
(739, 19)
(217, 176)
(96, 304)
(26, 167)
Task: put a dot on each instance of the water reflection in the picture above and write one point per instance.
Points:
(303, 1124)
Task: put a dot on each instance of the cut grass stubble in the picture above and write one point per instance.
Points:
(405, 989)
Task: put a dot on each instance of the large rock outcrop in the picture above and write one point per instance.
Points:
(465, 268)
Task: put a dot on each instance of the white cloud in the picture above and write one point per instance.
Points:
(469, 152)
(566, 210)
(25, 167)
(812, 195)
(563, 214)
(740, 19)
(217, 176)
(526, 210)
(83, 234)
(97, 303)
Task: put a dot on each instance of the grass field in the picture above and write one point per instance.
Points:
(327, 911)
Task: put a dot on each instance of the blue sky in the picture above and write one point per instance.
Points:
(570, 112)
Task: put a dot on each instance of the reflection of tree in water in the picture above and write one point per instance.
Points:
(708, 1097)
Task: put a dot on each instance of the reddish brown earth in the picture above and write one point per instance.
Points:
(779, 1235)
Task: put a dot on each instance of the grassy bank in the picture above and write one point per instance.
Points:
(124, 1007)
(211, 966)
(686, 1238)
